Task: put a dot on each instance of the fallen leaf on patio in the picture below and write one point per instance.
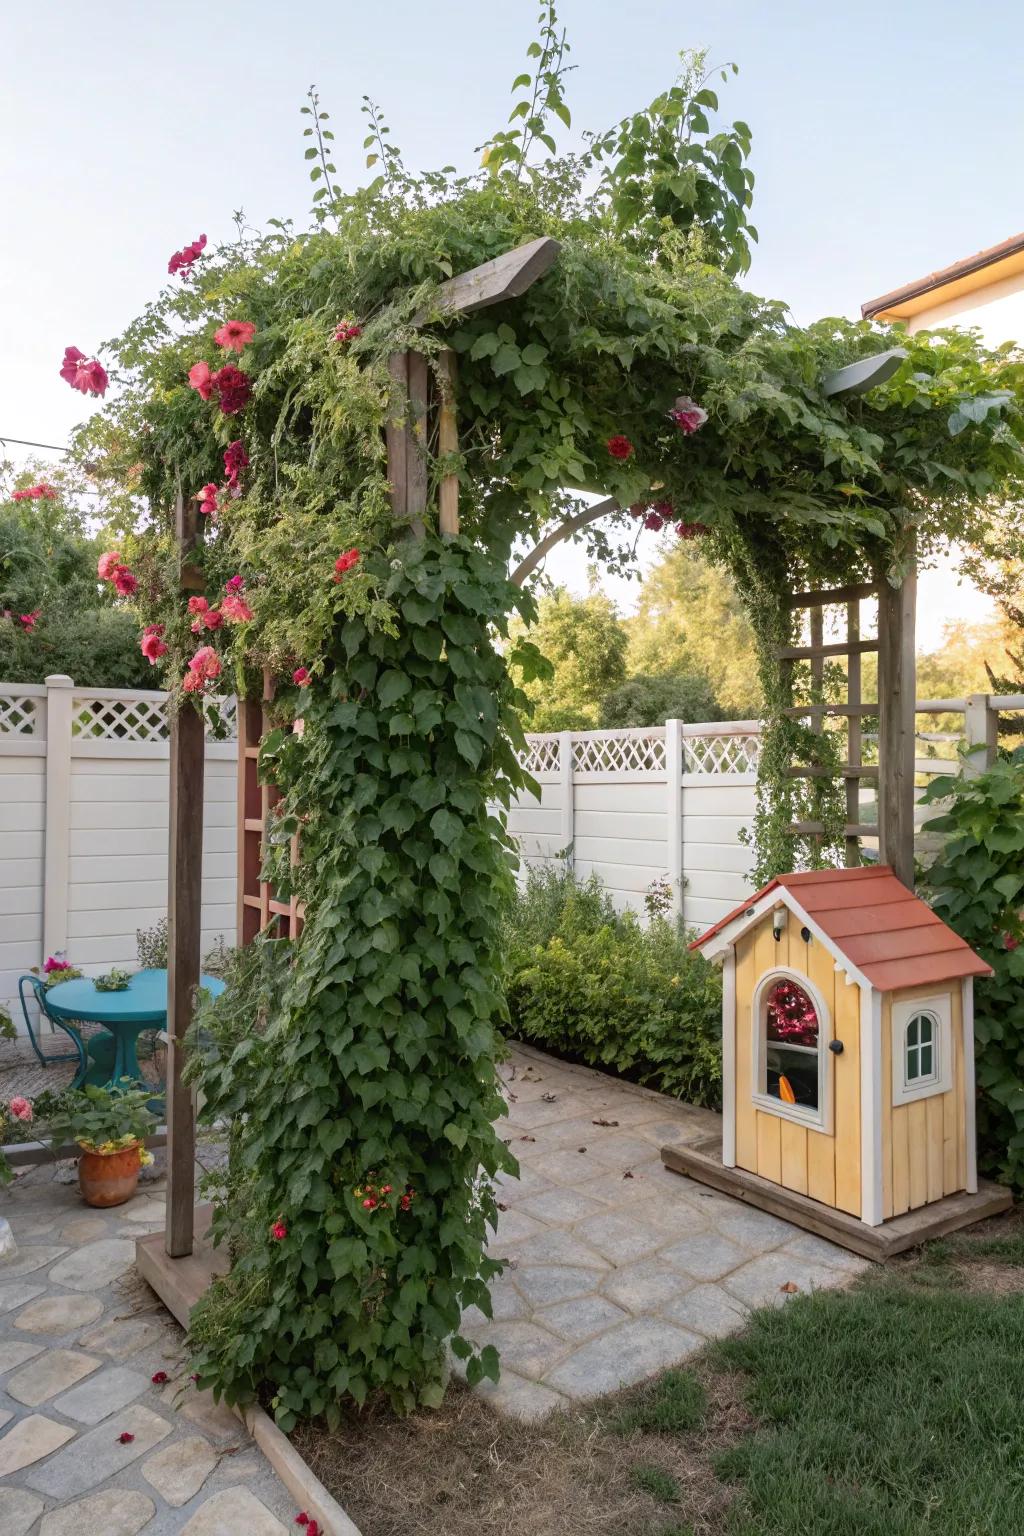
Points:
(789, 1287)
(581, 1149)
(501, 1207)
(549, 1098)
(628, 1174)
(604, 1122)
(527, 1138)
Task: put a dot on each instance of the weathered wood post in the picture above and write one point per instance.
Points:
(184, 903)
(897, 699)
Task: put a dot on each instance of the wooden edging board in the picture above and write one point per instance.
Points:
(179, 1283)
(702, 1160)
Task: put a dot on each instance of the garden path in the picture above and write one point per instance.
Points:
(618, 1268)
(80, 1339)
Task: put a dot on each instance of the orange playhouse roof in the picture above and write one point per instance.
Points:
(868, 915)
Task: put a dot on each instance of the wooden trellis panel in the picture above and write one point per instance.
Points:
(259, 907)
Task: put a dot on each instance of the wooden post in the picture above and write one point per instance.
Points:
(982, 728)
(447, 442)
(184, 901)
(854, 742)
(897, 687)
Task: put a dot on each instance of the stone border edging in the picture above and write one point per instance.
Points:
(302, 1483)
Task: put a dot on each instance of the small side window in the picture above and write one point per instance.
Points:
(922, 1044)
(922, 1048)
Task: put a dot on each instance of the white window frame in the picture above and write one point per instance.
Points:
(819, 1119)
(941, 1080)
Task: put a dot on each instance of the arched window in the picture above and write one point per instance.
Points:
(791, 1028)
(922, 1048)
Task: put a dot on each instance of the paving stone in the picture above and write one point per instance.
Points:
(58, 1370)
(621, 1357)
(582, 1318)
(113, 1512)
(31, 1439)
(518, 1398)
(85, 1229)
(5, 1417)
(556, 1247)
(95, 1265)
(514, 1227)
(562, 1207)
(180, 1469)
(675, 1216)
(707, 1309)
(759, 1283)
(570, 1166)
(114, 1388)
(645, 1287)
(30, 1257)
(17, 1293)
(525, 1348)
(756, 1229)
(58, 1315)
(123, 1337)
(621, 1237)
(216, 1419)
(613, 1189)
(506, 1304)
(818, 1251)
(8, 1246)
(670, 1133)
(233, 1512)
(547, 1284)
(512, 1189)
(706, 1255)
(535, 1114)
(18, 1511)
(99, 1455)
(13, 1352)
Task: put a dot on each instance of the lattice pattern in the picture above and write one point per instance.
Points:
(542, 755)
(721, 754)
(119, 719)
(18, 716)
(619, 754)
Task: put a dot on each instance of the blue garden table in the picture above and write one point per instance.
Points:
(141, 1006)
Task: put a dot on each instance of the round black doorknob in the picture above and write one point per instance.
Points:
(836, 1047)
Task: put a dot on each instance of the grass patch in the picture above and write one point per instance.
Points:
(661, 1485)
(673, 1403)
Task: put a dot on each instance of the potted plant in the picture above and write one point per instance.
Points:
(110, 1125)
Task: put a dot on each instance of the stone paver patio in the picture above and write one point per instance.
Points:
(80, 1340)
(618, 1268)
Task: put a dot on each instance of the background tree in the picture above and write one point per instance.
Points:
(585, 642)
(690, 622)
(648, 700)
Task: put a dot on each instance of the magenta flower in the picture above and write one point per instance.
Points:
(182, 260)
(235, 335)
(205, 663)
(35, 493)
(279, 1231)
(208, 498)
(233, 387)
(83, 373)
(235, 609)
(107, 564)
(21, 1109)
(687, 415)
(151, 645)
(235, 460)
(302, 677)
(125, 582)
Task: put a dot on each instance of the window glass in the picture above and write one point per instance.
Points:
(921, 1031)
(790, 1044)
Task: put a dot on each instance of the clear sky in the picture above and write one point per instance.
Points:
(887, 137)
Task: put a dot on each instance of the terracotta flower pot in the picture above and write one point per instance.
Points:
(109, 1178)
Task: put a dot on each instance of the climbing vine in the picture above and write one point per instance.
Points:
(363, 1158)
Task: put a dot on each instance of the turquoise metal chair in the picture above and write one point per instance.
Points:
(78, 1054)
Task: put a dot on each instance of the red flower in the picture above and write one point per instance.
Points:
(302, 677)
(235, 584)
(151, 645)
(620, 447)
(197, 605)
(369, 1204)
(158, 1378)
(201, 380)
(182, 260)
(1009, 942)
(690, 530)
(35, 492)
(638, 509)
(205, 663)
(405, 1202)
(84, 374)
(234, 388)
(279, 1231)
(192, 683)
(302, 1518)
(124, 1438)
(654, 521)
(347, 331)
(28, 620)
(235, 335)
(688, 416)
(107, 564)
(235, 609)
(208, 498)
(345, 562)
(124, 582)
(235, 460)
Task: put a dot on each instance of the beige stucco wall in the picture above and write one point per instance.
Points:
(998, 312)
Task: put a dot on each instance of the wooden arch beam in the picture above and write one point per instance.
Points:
(563, 531)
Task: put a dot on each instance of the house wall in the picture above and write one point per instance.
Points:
(997, 309)
(826, 1167)
(924, 1144)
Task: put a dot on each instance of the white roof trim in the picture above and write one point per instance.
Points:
(781, 895)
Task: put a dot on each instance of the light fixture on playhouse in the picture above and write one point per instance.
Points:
(847, 1062)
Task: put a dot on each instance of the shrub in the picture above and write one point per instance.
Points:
(598, 986)
(977, 885)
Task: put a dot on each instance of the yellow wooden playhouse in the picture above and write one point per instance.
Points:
(847, 1057)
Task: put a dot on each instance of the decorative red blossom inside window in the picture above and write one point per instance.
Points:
(792, 1017)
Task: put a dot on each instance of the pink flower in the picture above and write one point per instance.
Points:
(213, 618)
(158, 1378)
(235, 460)
(182, 260)
(279, 1231)
(235, 584)
(235, 335)
(151, 645)
(345, 562)
(125, 1437)
(205, 663)
(84, 374)
(21, 1109)
(208, 498)
(57, 962)
(107, 564)
(28, 620)
(201, 380)
(302, 677)
(690, 530)
(688, 416)
(125, 582)
(235, 609)
(192, 683)
(35, 492)
(1009, 942)
(197, 605)
(347, 331)
(234, 387)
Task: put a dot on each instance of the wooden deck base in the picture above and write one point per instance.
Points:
(702, 1160)
(180, 1282)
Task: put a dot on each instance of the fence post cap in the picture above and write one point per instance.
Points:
(59, 680)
